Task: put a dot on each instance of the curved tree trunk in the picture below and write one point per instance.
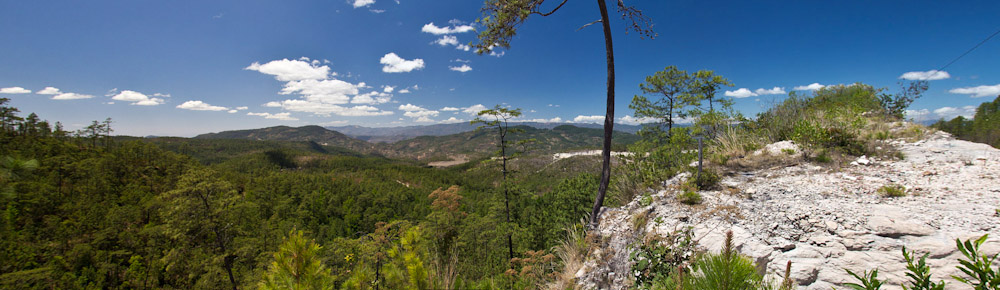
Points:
(609, 117)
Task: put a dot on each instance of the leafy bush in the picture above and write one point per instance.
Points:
(919, 273)
(869, 280)
(659, 256)
(977, 267)
(689, 197)
(892, 190)
(708, 179)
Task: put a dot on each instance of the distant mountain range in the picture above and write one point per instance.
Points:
(470, 143)
(393, 134)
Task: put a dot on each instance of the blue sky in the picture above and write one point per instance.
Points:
(189, 67)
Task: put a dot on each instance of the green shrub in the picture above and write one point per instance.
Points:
(728, 270)
(646, 200)
(977, 267)
(869, 280)
(892, 190)
(919, 273)
(689, 197)
(823, 157)
(658, 257)
(708, 179)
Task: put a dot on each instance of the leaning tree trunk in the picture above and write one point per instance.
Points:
(609, 117)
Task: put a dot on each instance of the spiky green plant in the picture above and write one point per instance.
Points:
(297, 265)
(727, 270)
(977, 267)
(919, 273)
(869, 280)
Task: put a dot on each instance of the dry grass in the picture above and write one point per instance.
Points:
(572, 252)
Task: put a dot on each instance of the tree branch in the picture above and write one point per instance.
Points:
(553, 10)
(588, 24)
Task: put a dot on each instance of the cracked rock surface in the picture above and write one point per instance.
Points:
(825, 220)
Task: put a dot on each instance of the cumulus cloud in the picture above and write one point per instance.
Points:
(740, 93)
(463, 68)
(388, 89)
(463, 47)
(137, 98)
(809, 87)
(395, 64)
(359, 4)
(292, 70)
(772, 91)
(404, 91)
(71, 96)
(331, 91)
(946, 113)
(543, 120)
(931, 75)
(327, 109)
(446, 40)
(434, 29)
(373, 97)
(49, 91)
(589, 119)
(978, 92)
(14, 90)
(449, 109)
(474, 109)
(419, 114)
(745, 93)
(452, 120)
(629, 120)
(279, 116)
(200, 106)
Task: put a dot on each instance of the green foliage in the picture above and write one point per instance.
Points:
(658, 257)
(297, 265)
(983, 128)
(976, 265)
(689, 197)
(869, 280)
(708, 179)
(727, 270)
(892, 190)
(895, 105)
(675, 91)
(919, 273)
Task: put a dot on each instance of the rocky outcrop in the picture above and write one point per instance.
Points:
(827, 219)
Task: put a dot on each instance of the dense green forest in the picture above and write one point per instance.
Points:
(983, 128)
(87, 210)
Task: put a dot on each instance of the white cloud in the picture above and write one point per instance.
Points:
(395, 64)
(434, 29)
(452, 120)
(463, 47)
(629, 120)
(327, 109)
(233, 111)
(331, 91)
(740, 93)
(137, 98)
(745, 93)
(474, 109)
(931, 75)
(200, 106)
(161, 95)
(589, 119)
(809, 87)
(773, 91)
(279, 116)
(461, 60)
(419, 114)
(449, 109)
(14, 90)
(446, 40)
(543, 120)
(292, 70)
(373, 97)
(242, 108)
(388, 89)
(978, 92)
(49, 91)
(404, 91)
(71, 96)
(363, 3)
(463, 68)
(946, 113)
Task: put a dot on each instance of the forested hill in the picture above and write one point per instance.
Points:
(313, 133)
(395, 134)
(483, 142)
(473, 144)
